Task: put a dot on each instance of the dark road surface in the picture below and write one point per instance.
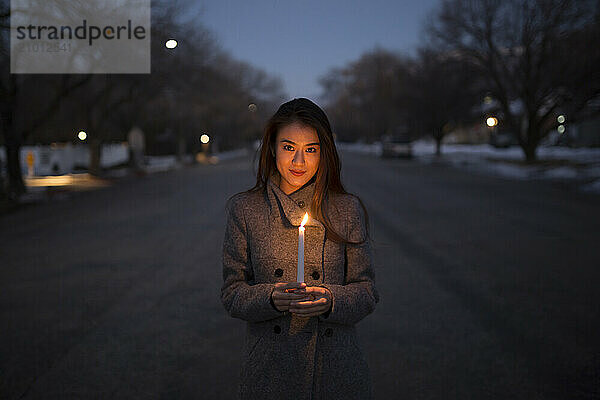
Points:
(489, 288)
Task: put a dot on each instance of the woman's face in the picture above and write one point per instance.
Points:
(297, 153)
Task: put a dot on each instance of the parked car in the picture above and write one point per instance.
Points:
(395, 146)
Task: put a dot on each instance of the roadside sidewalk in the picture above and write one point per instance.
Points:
(42, 189)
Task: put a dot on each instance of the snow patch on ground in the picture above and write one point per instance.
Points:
(561, 173)
(584, 162)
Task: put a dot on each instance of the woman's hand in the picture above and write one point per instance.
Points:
(320, 304)
(284, 293)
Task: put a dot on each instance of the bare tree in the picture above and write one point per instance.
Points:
(16, 98)
(365, 98)
(519, 46)
(194, 88)
(441, 94)
(205, 90)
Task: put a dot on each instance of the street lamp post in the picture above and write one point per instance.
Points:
(202, 157)
(492, 122)
(205, 139)
(180, 140)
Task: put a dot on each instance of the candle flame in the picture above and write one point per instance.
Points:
(304, 220)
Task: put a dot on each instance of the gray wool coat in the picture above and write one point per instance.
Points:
(286, 356)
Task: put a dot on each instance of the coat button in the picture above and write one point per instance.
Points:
(278, 272)
(328, 332)
(301, 204)
(277, 329)
(315, 275)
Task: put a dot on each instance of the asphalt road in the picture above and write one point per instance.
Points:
(489, 288)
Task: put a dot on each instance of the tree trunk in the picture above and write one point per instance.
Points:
(438, 146)
(94, 167)
(12, 144)
(181, 147)
(16, 186)
(530, 145)
(530, 153)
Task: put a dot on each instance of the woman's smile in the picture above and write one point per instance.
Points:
(297, 173)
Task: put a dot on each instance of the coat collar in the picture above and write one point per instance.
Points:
(288, 204)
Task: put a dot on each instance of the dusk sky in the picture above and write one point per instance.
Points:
(300, 41)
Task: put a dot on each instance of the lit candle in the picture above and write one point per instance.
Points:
(301, 249)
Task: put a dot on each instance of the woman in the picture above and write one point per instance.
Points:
(300, 338)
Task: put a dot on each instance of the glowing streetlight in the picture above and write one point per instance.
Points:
(171, 44)
(561, 119)
(82, 135)
(204, 138)
(491, 121)
(561, 129)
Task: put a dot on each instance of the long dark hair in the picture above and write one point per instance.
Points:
(327, 178)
